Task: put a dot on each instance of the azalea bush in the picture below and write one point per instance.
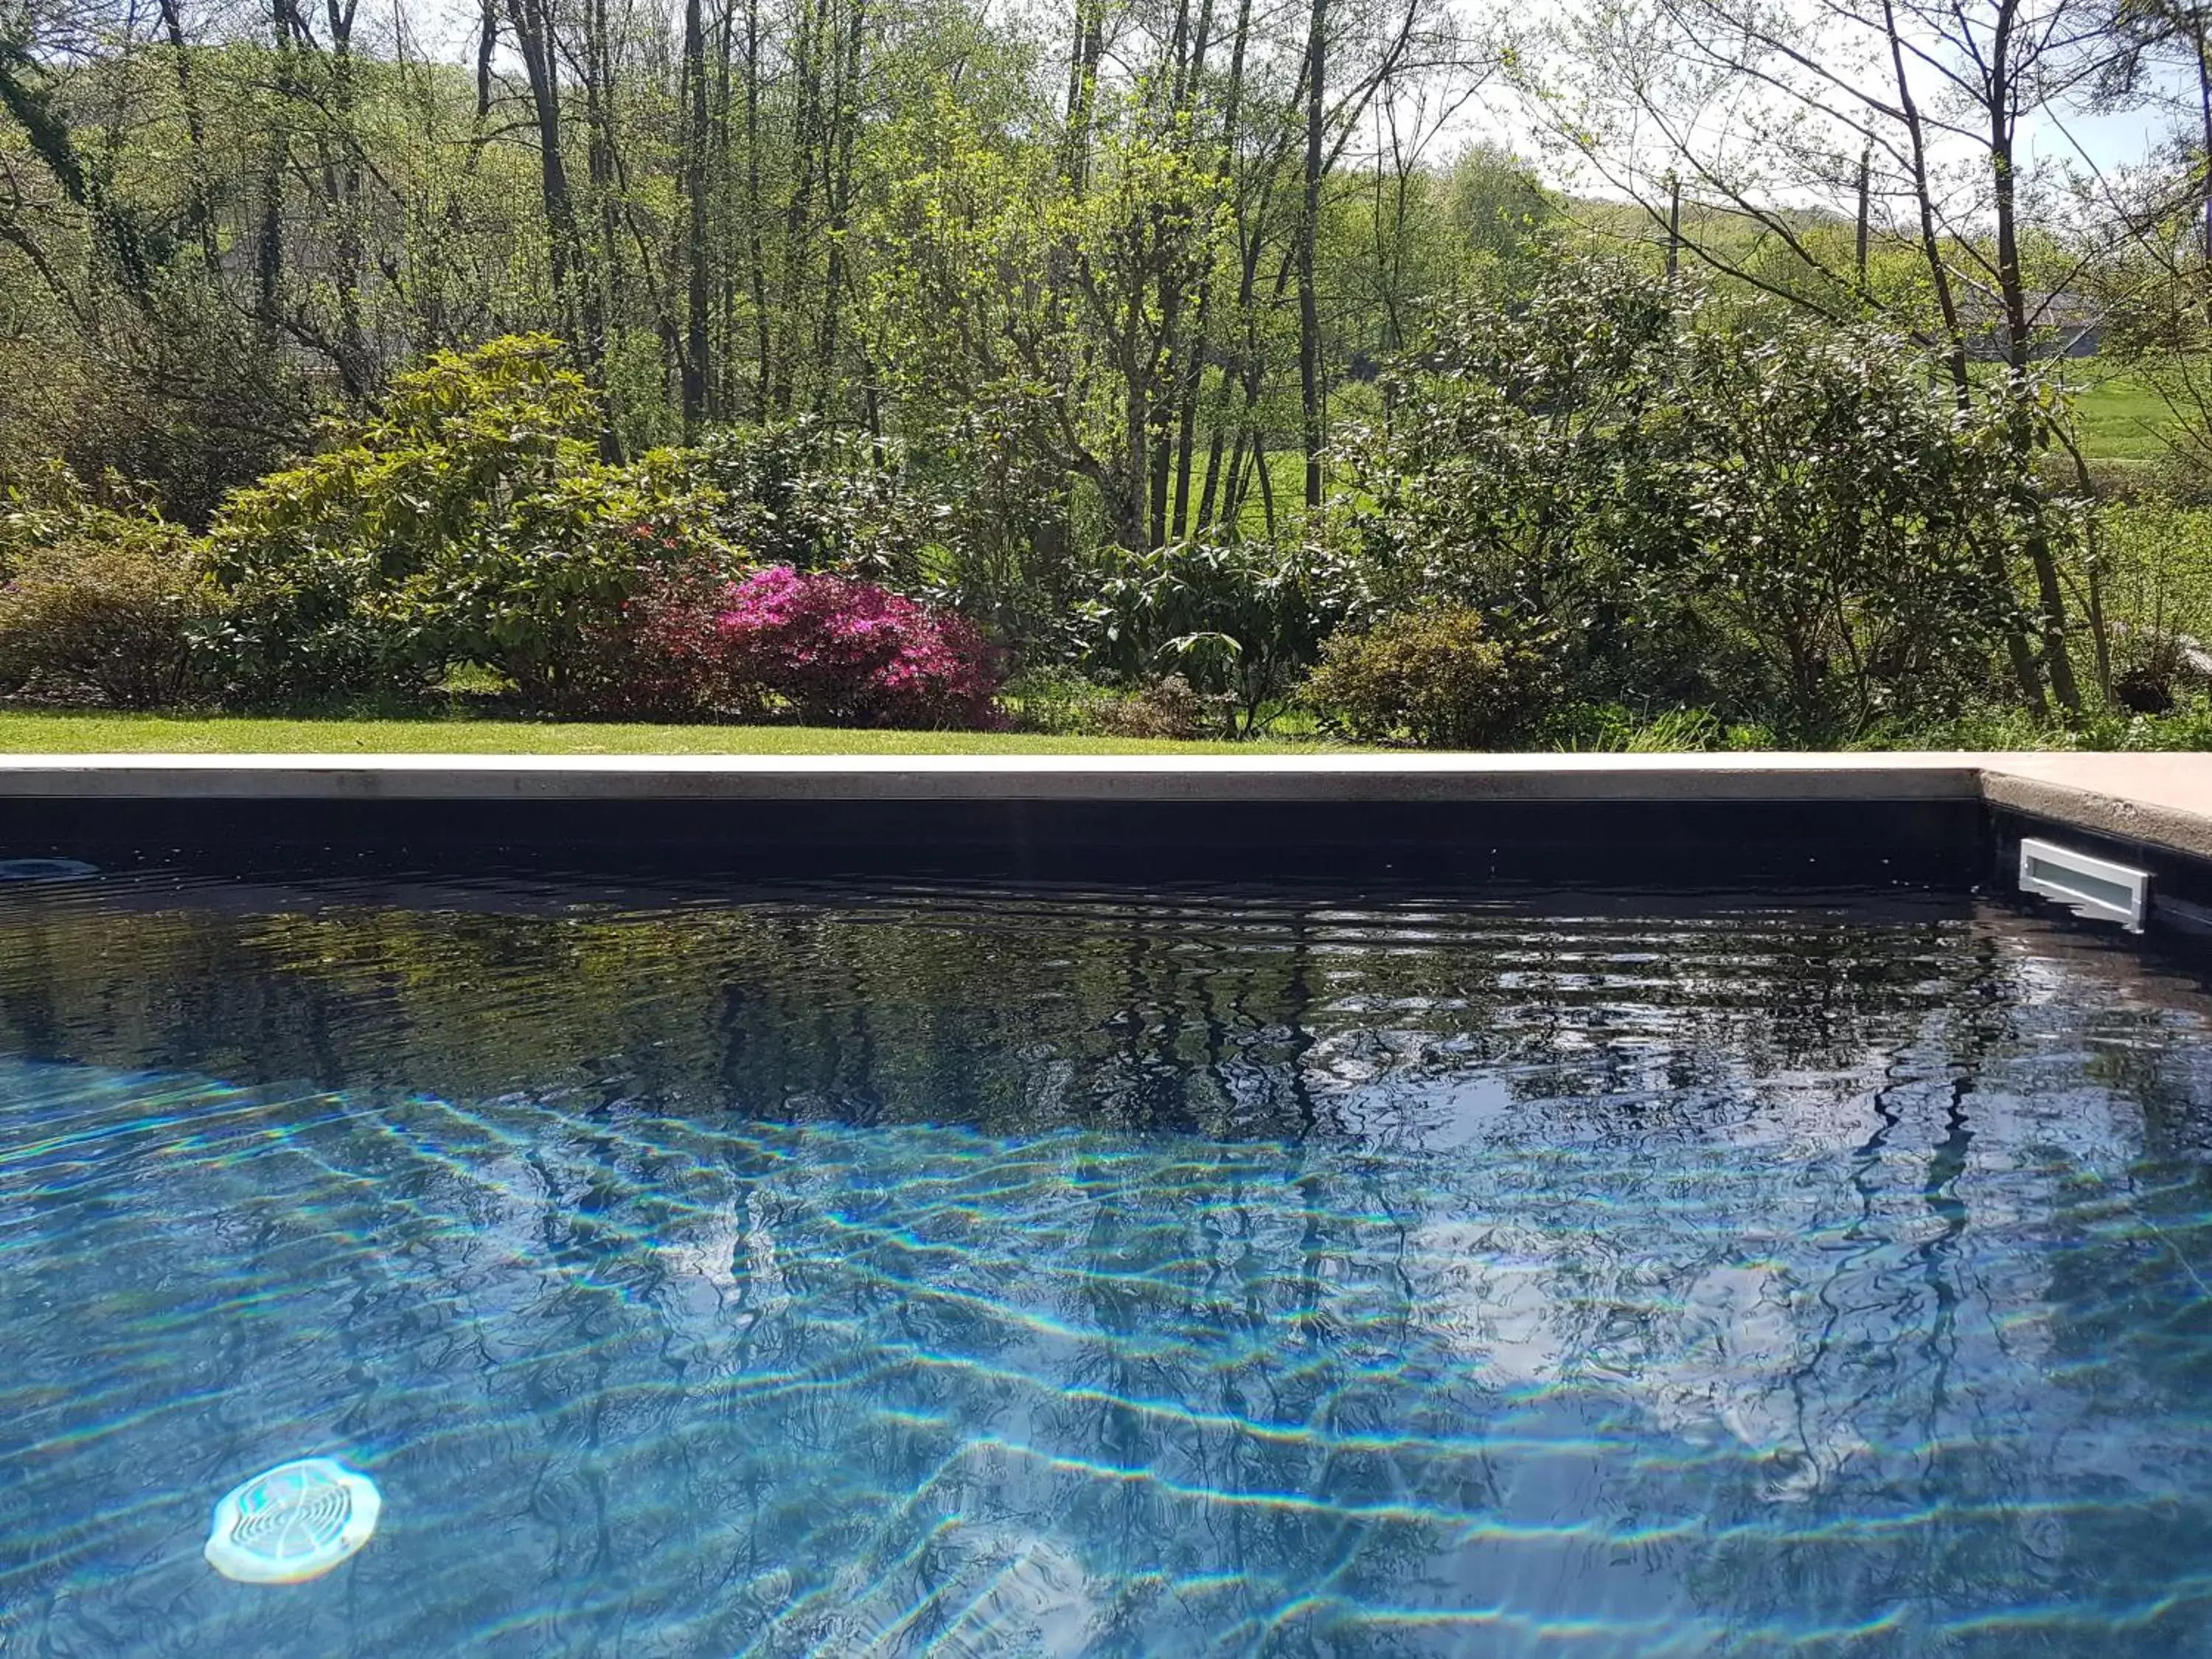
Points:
(656, 654)
(846, 652)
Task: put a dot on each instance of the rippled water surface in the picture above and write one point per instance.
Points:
(962, 1272)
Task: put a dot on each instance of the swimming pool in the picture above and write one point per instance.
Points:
(967, 1270)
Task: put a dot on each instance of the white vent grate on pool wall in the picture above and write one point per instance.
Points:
(2089, 886)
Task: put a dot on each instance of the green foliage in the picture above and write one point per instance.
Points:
(2158, 566)
(1243, 619)
(540, 596)
(1499, 207)
(469, 522)
(102, 608)
(1851, 523)
(2150, 574)
(814, 496)
(2186, 729)
(1062, 701)
(1437, 677)
(1532, 467)
(1769, 518)
(1610, 729)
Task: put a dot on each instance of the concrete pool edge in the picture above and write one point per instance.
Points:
(2162, 799)
(1225, 780)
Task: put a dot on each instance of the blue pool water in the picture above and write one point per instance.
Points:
(971, 1273)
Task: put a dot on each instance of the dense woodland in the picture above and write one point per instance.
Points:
(1144, 367)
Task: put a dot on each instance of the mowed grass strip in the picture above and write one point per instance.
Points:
(40, 732)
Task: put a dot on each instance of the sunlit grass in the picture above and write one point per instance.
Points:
(27, 731)
(2117, 417)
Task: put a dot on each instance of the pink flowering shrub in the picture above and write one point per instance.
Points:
(845, 652)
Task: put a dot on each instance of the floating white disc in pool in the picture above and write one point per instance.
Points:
(293, 1523)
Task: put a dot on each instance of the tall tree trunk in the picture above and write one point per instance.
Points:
(1233, 102)
(2205, 113)
(815, 22)
(2024, 418)
(2025, 673)
(487, 49)
(697, 372)
(1865, 219)
(755, 257)
(848, 117)
(1082, 90)
(342, 186)
(1191, 357)
(1309, 233)
(276, 156)
(199, 198)
(533, 23)
(599, 170)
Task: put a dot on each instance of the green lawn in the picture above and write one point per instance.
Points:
(2120, 418)
(40, 733)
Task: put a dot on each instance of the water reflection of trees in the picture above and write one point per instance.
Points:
(999, 1010)
(1803, 1265)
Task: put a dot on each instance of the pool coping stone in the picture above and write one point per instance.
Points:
(2163, 800)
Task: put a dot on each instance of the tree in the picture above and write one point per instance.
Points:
(1789, 125)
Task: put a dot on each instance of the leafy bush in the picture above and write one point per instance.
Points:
(1067, 704)
(815, 496)
(546, 595)
(323, 563)
(104, 613)
(1610, 729)
(1437, 677)
(2152, 577)
(1169, 708)
(2187, 728)
(1238, 619)
(470, 521)
(1058, 701)
(1852, 525)
(844, 652)
(1711, 505)
(656, 654)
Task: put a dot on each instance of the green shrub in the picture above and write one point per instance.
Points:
(2187, 728)
(104, 613)
(1712, 503)
(2153, 577)
(1237, 620)
(322, 564)
(1438, 678)
(541, 594)
(471, 521)
(1064, 703)
(1611, 729)
(1057, 702)
(815, 496)
(1169, 708)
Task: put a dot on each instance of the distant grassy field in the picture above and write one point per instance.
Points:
(2120, 418)
(26, 732)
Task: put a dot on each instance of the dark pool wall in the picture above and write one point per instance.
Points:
(2181, 886)
(1698, 845)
